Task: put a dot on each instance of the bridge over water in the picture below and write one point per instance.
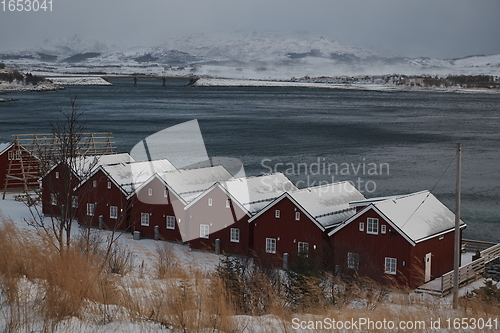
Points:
(135, 78)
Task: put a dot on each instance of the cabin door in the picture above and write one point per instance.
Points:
(427, 259)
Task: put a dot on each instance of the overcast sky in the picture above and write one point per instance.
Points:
(434, 28)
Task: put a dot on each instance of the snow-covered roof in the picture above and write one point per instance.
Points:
(84, 165)
(93, 162)
(130, 176)
(328, 204)
(366, 202)
(4, 146)
(254, 193)
(419, 216)
(190, 183)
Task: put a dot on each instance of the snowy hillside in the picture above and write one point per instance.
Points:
(255, 55)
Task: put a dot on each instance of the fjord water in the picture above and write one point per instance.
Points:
(387, 143)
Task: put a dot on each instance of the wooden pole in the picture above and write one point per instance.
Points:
(456, 265)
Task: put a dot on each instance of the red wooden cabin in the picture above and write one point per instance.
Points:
(408, 240)
(62, 178)
(160, 201)
(297, 222)
(222, 212)
(105, 197)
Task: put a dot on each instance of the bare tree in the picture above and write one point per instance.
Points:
(68, 158)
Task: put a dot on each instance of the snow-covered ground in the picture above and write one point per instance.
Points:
(145, 250)
(213, 82)
(142, 283)
(79, 81)
(43, 86)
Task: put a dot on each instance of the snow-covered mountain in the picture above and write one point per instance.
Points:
(264, 55)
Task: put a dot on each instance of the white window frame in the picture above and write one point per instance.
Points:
(57, 174)
(94, 183)
(277, 213)
(270, 245)
(303, 248)
(383, 229)
(210, 202)
(297, 216)
(170, 222)
(53, 199)
(204, 231)
(352, 260)
(113, 212)
(74, 201)
(235, 235)
(145, 219)
(109, 185)
(228, 203)
(361, 226)
(14, 155)
(90, 209)
(165, 193)
(150, 192)
(391, 266)
(372, 226)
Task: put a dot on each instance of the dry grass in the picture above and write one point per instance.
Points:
(44, 290)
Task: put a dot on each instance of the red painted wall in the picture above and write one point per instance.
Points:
(158, 207)
(103, 198)
(373, 249)
(219, 215)
(288, 233)
(61, 183)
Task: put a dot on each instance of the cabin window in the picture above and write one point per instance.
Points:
(165, 193)
(353, 260)
(390, 266)
(53, 199)
(210, 201)
(277, 214)
(170, 222)
(14, 155)
(150, 191)
(57, 174)
(113, 212)
(204, 230)
(228, 203)
(90, 209)
(303, 249)
(361, 226)
(372, 226)
(297, 216)
(383, 229)
(145, 219)
(270, 245)
(109, 185)
(235, 235)
(74, 201)
(94, 183)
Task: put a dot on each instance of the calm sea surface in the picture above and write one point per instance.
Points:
(386, 143)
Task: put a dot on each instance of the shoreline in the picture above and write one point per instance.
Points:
(216, 82)
(58, 83)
